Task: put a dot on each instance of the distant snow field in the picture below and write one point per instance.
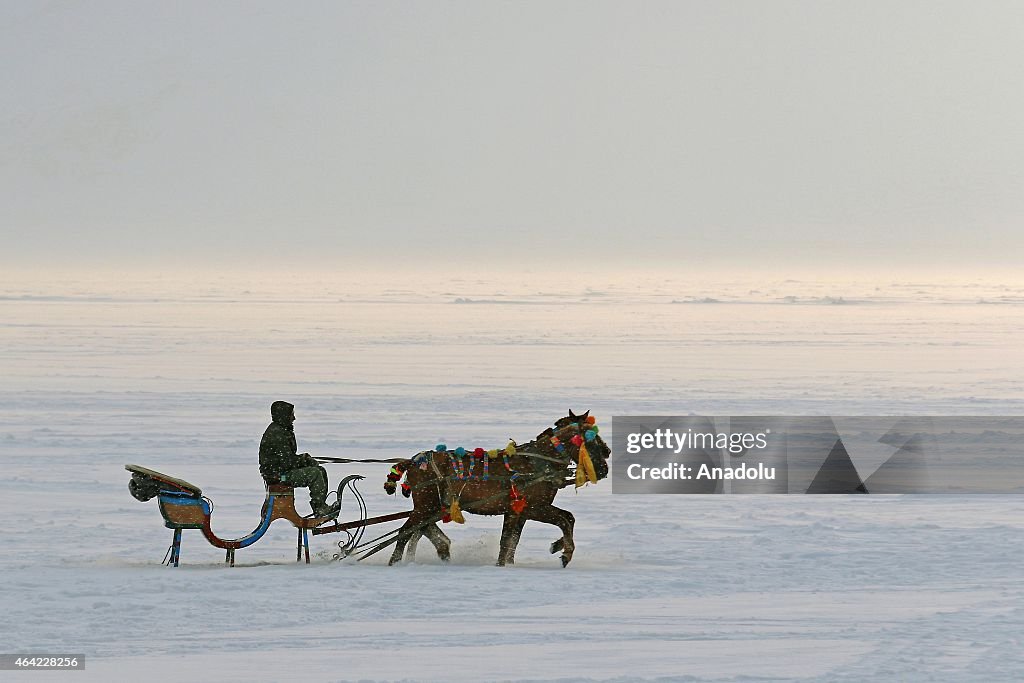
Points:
(179, 378)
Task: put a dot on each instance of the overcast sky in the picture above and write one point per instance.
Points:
(367, 133)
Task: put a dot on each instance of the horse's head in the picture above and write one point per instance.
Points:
(584, 427)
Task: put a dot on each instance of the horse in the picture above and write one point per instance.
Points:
(519, 482)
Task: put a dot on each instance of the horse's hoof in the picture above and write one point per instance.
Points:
(556, 546)
(565, 561)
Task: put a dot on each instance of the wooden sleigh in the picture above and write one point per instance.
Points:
(184, 506)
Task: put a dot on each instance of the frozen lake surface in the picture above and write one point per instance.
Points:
(178, 375)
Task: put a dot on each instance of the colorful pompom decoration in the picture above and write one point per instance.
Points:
(590, 435)
(509, 451)
(394, 476)
(464, 470)
(577, 440)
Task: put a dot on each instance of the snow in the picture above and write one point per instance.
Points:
(178, 375)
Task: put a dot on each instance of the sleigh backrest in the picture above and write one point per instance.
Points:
(181, 503)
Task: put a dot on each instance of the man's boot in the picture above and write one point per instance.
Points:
(322, 509)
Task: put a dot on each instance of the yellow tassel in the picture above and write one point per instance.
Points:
(456, 513)
(585, 468)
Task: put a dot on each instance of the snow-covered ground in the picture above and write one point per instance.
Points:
(179, 376)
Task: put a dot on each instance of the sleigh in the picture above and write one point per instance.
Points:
(183, 506)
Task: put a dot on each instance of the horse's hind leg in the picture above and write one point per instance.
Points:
(442, 544)
(410, 548)
(564, 520)
(511, 529)
(400, 542)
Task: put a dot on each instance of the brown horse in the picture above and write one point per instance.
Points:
(519, 485)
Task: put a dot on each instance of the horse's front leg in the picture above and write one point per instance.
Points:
(511, 527)
(564, 520)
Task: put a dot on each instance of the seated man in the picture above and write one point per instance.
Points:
(280, 464)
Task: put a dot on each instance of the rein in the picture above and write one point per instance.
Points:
(333, 460)
(342, 461)
(541, 456)
(514, 476)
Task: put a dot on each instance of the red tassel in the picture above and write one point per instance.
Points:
(518, 503)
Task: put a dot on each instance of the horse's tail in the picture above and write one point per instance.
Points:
(396, 475)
